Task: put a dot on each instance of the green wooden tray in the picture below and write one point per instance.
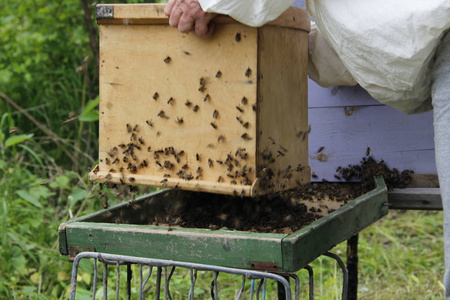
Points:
(262, 251)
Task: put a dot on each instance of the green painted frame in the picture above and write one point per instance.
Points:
(236, 249)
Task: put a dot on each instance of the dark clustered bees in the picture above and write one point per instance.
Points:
(244, 101)
(168, 165)
(221, 139)
(239, 109)
(246, 137)
(188, 103)
(187, 53)
(131, 179)
(197, 157)
(199, 172)
(284, 149)
(254, 107)
(112, 152)
(213, 125)
(267, 156)
(246, 124)
(248, 72)
(170, 101)
(187, 176)
(218, 74)
(237, 37)
(179, 120)
(136, 128)
(242, 153)
(207, 97)
(129, 128)
(320, 149)
(219, 179)
(162, 114)
(202, 87)
(167, 59)
(107, 161)
(239, 119)
(149, 123)
(215, 114)
(155, 96)
(195, 108)
(303, 134)
(210, 163)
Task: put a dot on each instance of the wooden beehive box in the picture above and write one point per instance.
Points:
(225, 114)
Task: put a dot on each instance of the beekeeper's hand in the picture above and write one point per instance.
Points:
(187, 15)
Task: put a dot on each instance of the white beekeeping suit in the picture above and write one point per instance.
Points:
(387, 46)
(399, 51)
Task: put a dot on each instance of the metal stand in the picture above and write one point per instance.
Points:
(352, 266)
(165, 270)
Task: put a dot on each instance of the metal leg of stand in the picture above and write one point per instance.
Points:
(352, 267)
(282, 290)
(311, 281)
(344, 272)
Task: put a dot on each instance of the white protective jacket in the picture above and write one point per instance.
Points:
(386, 46)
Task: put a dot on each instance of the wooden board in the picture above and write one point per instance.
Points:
(282, 105)
(144, 14)
(128, 99)
(181, 111)
(105, 231)
(415, 198)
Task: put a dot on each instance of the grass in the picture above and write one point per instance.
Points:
(402, 257)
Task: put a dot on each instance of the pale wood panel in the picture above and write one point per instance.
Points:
(142, 14)
(133, 69)
(282, 102)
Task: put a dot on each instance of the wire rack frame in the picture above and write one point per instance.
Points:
(165, 270)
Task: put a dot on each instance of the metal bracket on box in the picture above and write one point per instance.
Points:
(104, 12)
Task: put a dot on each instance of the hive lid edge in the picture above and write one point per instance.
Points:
(153, 13)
